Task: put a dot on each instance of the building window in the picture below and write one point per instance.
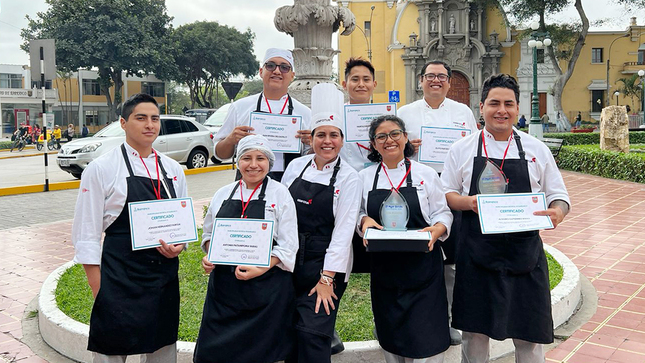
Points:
(540, 56)
(368, 28)
(154, 89)
(597, 100)
(8, 80)
(91, 87)
(641, 56)
(92, 118)
(596, 55)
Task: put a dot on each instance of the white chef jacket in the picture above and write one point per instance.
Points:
(432, 199)
(347, 196)
(449, 114)
(103, 192)
(543, 171)
(279, 207)
(239, 114)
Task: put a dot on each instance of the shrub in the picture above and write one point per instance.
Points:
(635, 137)
(589, 159)
(5, 145)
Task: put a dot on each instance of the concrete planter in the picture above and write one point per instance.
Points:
(69, 337)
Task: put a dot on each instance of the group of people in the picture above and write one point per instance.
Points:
(322, 202)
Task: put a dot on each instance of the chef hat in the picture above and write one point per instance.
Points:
(255, 142)
(282, 53)
(326, 106)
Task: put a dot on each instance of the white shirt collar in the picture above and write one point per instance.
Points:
(490, 136)
(329, 165)
(399, 165)
(428, 107)
(131, 151)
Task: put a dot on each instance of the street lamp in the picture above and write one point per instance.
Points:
(616, 94)
(538, 40)
(608, 56)
(641, 74)
(368, 42)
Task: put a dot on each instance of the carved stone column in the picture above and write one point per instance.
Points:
(311, 23)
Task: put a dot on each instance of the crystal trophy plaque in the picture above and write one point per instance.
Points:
(395, 212)
(492, 180)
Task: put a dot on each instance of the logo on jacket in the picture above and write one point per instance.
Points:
(183, 204)
(331, 117)
(534, 199)
(174, 178)
(264, 226)
(337, 191)
(85, 190)
(308, 202)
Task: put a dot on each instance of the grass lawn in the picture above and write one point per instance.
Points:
(354, 323)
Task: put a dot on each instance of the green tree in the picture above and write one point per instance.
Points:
(253, 86)
(631, 88)
(114, 36)
(178, 98)
(207, 53)
(568, 40)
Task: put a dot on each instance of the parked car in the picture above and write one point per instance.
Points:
(200, 114)
(180, 138)
(214, 123)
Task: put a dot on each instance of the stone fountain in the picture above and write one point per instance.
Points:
(312, 23)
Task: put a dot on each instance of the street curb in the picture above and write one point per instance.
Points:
(74, 184)
(14, 156)
(69, 337)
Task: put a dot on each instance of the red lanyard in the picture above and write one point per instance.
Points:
(244, 205)
(158, 188)
(362, 146)
(388, 177)
(505, 151)
(283, 106)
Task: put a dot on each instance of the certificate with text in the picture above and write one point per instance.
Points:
(241, 242)
(377, 234)
(358, 118)
(172, 220)
(436, 141)
(508, 213)
(280, 130)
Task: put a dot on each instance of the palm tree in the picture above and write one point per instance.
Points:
(631, 88)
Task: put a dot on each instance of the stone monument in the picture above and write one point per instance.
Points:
(311, 23)
(614, 129)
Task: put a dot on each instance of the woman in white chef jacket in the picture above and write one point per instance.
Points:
(408, 290)
(326, 191)
(248, 312)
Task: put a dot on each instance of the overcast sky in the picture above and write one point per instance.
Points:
(255, 14)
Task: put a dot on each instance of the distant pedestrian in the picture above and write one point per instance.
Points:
(522, 121)
(578, 119)
(545, 122)
(85, 131)
(70, 132)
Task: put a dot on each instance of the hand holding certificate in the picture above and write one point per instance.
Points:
(507, 213)
(280, 130)
(241, 242)
(359, 116)
(171, 220)
(436, 141)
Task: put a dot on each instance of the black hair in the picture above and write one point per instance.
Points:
(133, 101)
(374, 156)
(501, 80)
(355, 62)
(423, 70)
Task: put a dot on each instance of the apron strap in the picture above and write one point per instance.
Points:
(479, 145)
(290, 107)
(408, 165)
(127, 161)
(171, 193)
(259, 104)
(378, 170)
(264, 188)
(332, 181)
(521, 151)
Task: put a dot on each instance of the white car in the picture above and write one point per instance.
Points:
(214, 123)
(180, 138)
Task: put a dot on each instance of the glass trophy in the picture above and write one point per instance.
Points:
(395, 212)
(492, 180)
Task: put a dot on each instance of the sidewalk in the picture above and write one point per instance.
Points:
(603, 235)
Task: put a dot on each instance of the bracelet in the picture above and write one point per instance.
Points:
(326, 279)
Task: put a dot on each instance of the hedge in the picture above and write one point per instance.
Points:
(589, 159)
(590, 138)
(5, 144)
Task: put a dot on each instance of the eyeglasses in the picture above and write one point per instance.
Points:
(431, 76)
(284, 67)
(395, 135)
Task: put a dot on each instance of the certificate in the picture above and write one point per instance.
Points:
(280, 130)
(172, 220)
(241, 242)
(507, 213)
(358, 118)
(436, 141)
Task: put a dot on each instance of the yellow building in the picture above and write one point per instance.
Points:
(400, 37)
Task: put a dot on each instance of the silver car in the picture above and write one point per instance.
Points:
(180, 138)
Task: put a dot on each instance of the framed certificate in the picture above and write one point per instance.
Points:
(244, 241)
(172, 220)
(280, 130)
(436, 141)
(513, 212)
(397, 241)
(358, 118)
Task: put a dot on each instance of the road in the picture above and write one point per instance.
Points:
(29, 170)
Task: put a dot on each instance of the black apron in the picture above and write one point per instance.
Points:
(246, 321)
(408, 290)
(502, 282)
(277, 175)
(137, 308)
(315, 226)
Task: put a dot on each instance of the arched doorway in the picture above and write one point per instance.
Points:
(459, 88)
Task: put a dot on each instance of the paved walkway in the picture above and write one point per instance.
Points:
(603, 235)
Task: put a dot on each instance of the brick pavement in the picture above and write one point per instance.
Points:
(604, 236)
